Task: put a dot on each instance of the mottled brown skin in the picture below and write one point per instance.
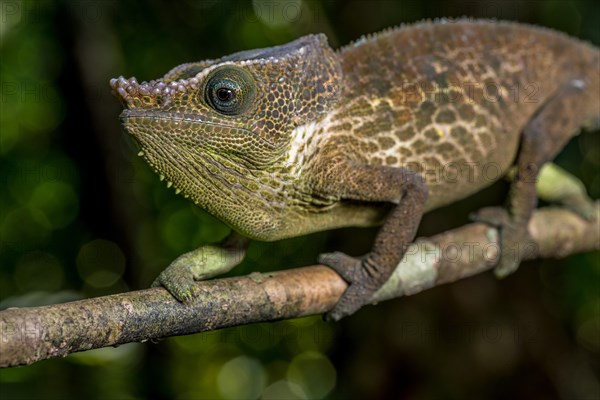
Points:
(383, 130)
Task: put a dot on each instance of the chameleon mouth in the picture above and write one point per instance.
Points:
(153, 115)
(176, 122)
(157, 121)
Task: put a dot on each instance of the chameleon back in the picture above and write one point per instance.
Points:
(450, 99)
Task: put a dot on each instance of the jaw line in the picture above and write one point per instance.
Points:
(173, 116)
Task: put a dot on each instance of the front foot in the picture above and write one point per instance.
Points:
(515, 240)
(361, 286)
(203, 263)
(179, 280)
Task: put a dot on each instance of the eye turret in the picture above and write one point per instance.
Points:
(230, 90)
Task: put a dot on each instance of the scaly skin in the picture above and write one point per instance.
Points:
(288, 140)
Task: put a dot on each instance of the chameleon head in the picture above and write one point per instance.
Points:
(219, 130)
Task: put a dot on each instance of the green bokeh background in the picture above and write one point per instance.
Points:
(81, 216)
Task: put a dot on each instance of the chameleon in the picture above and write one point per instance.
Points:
(297, 138)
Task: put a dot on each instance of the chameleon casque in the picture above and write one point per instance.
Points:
(298, 138)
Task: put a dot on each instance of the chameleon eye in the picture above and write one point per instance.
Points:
(230, 90)
(225, 95)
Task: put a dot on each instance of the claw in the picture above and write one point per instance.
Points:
(179, 281)
(514, 238)
(360, 289)
(346, 266)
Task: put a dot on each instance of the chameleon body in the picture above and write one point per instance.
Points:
(297, 138)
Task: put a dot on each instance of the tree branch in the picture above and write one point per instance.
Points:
(32, 334)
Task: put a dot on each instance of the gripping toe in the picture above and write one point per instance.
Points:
(361, 286)
(515, 240)
(346, 266)
(179, 281)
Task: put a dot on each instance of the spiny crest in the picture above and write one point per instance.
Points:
(424, 23)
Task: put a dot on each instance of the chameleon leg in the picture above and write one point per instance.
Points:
(545, 135)
(555, 185)
(405, 188)
(202, 263)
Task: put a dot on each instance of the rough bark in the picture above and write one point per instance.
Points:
(32, 334)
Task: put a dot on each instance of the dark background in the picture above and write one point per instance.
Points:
(81, 216)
